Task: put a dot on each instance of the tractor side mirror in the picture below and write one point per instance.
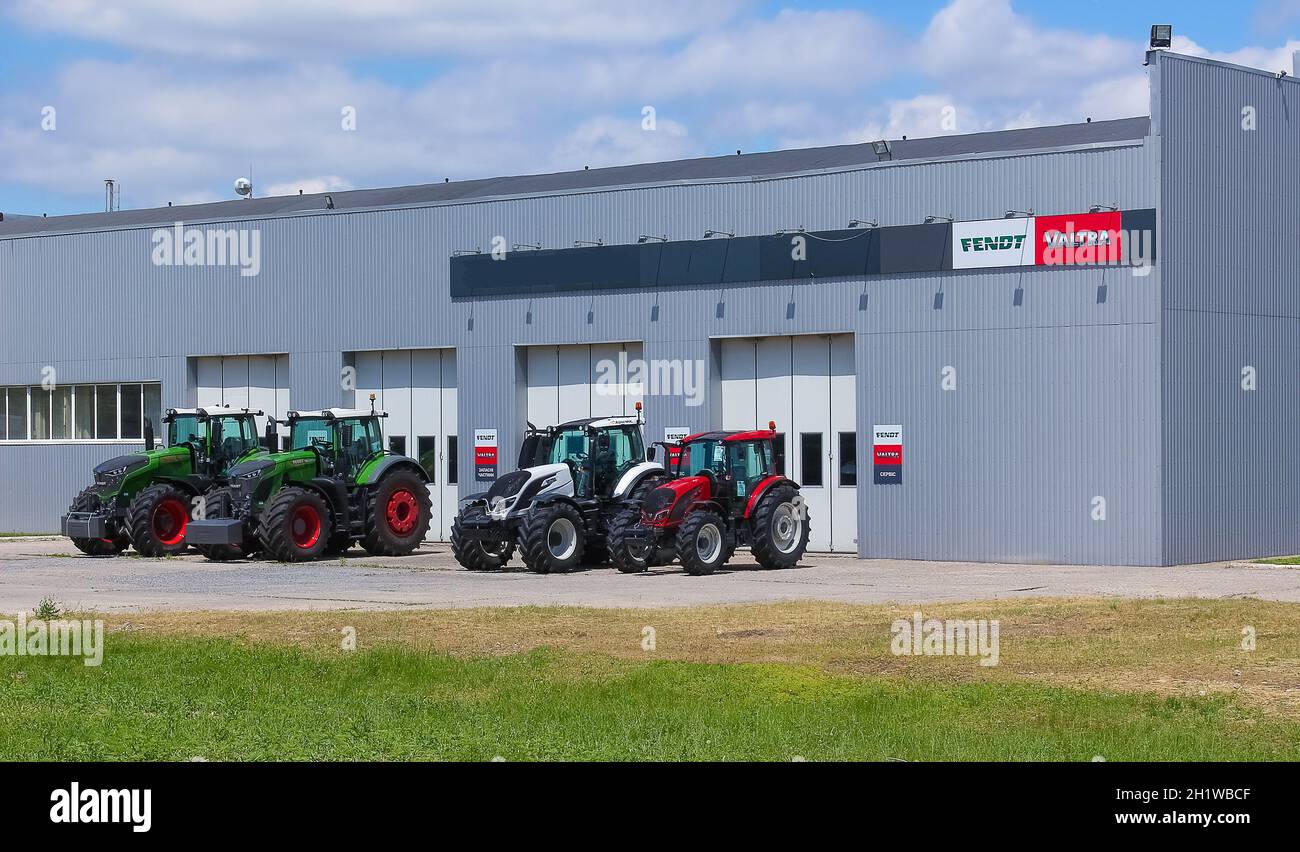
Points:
(272, 435)
(528, 452)
(149, 440)
(650, 454)
(346, 435)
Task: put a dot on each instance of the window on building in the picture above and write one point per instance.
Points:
(397, 443)
(452, 459)
(849, 459)
(427, 448)
(810, 459)
(79, 412)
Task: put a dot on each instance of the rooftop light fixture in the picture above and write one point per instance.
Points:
(580, 243)
(870, 223)
(714, 233)
(930, 220)
(1098, 208)
(883, 149)
(1162, 35)
(461, 252)
(646, 238)
(1011, 214)
(530, 246)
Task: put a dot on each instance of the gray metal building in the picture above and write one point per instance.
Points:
(1050, 412)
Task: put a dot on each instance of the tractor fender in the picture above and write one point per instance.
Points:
(388, 464)
(628, 482)
(763, 487)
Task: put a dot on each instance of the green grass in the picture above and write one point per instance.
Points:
(179, 698)
(1278, 560)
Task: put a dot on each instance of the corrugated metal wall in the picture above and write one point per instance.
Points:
(1231, 240)
(1002, 468)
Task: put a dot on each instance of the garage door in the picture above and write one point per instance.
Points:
(245, 381)
(808, 386)
(563, 386)
(417, 387)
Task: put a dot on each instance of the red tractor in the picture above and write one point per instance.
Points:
(725, 492)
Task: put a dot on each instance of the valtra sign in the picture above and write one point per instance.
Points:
(1072, 239)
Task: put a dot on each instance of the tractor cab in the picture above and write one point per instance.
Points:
(597, 450)
(343, 440)
(217, 437)
(731, 465)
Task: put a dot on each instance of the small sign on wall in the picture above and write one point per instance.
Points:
(673, 434)
(887, 455)
(485, 455)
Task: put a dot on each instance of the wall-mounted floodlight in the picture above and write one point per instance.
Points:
(329, 202)
(784, 231)
(529, 246)
(462, 252)
(883, 149)
(580, 243)
(644, 238)
(714, 233)
(930, 220)
(866, 223)
(1162, 35)
(1011, 214)
(1099, 208)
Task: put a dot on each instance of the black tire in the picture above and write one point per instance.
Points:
(88, 501)
(626, 560)
(697, 558)
(295, 525)
(218, 503)
(157, 520)
(543, 538)
(471, 553)
(771, 545)
(400, 512)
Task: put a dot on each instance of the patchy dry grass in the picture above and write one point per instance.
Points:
(1172, 648)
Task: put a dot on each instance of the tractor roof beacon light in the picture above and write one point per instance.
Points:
(1162, 35)
(771, 425)
(372, 403)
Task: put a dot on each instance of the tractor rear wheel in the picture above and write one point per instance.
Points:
(295, 525)
(702, 544)
(553, 538)
(630, 559)
(476, 554)
(218, 503)
(157, 520)
(401, 510)
(779, 528)
(88, 501)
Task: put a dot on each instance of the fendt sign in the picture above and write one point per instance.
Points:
(1074, 239)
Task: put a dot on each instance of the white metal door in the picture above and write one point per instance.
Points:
(805, 384)
(564, 382)
(259, 382)
(417, 388)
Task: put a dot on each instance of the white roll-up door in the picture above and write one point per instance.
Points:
(259, 382)
(807, 385)
(572, 382)
(417, 388)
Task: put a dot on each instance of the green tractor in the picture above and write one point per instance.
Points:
(335, 485)
(146, 499)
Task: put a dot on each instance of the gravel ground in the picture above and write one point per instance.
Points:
(34, 568)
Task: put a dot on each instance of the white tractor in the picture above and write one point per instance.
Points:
(556, 508)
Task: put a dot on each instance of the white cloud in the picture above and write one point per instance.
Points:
(309, 185)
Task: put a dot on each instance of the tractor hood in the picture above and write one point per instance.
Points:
(669, 500)
(121, 465)
(525, 486)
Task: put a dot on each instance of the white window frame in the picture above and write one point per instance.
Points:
(28, 440)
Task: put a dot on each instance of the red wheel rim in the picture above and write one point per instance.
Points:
(170, 518)
(402, 512)
(304, 526)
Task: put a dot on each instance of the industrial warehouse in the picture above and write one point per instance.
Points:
(1070, 344)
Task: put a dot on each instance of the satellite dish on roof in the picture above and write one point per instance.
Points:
(244, 187)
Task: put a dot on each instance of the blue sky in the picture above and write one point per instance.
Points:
(175, 100)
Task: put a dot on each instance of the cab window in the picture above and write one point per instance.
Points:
(237, 436)
(569, 445)
(185, 428)
(308, 432)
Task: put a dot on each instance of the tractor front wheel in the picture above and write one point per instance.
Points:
(88, 501)
(402, 510)
(553, 538)
(702, 542)
(295, 525)
(157, 520)
(627, 557)
(476, 554)
(779, 528)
